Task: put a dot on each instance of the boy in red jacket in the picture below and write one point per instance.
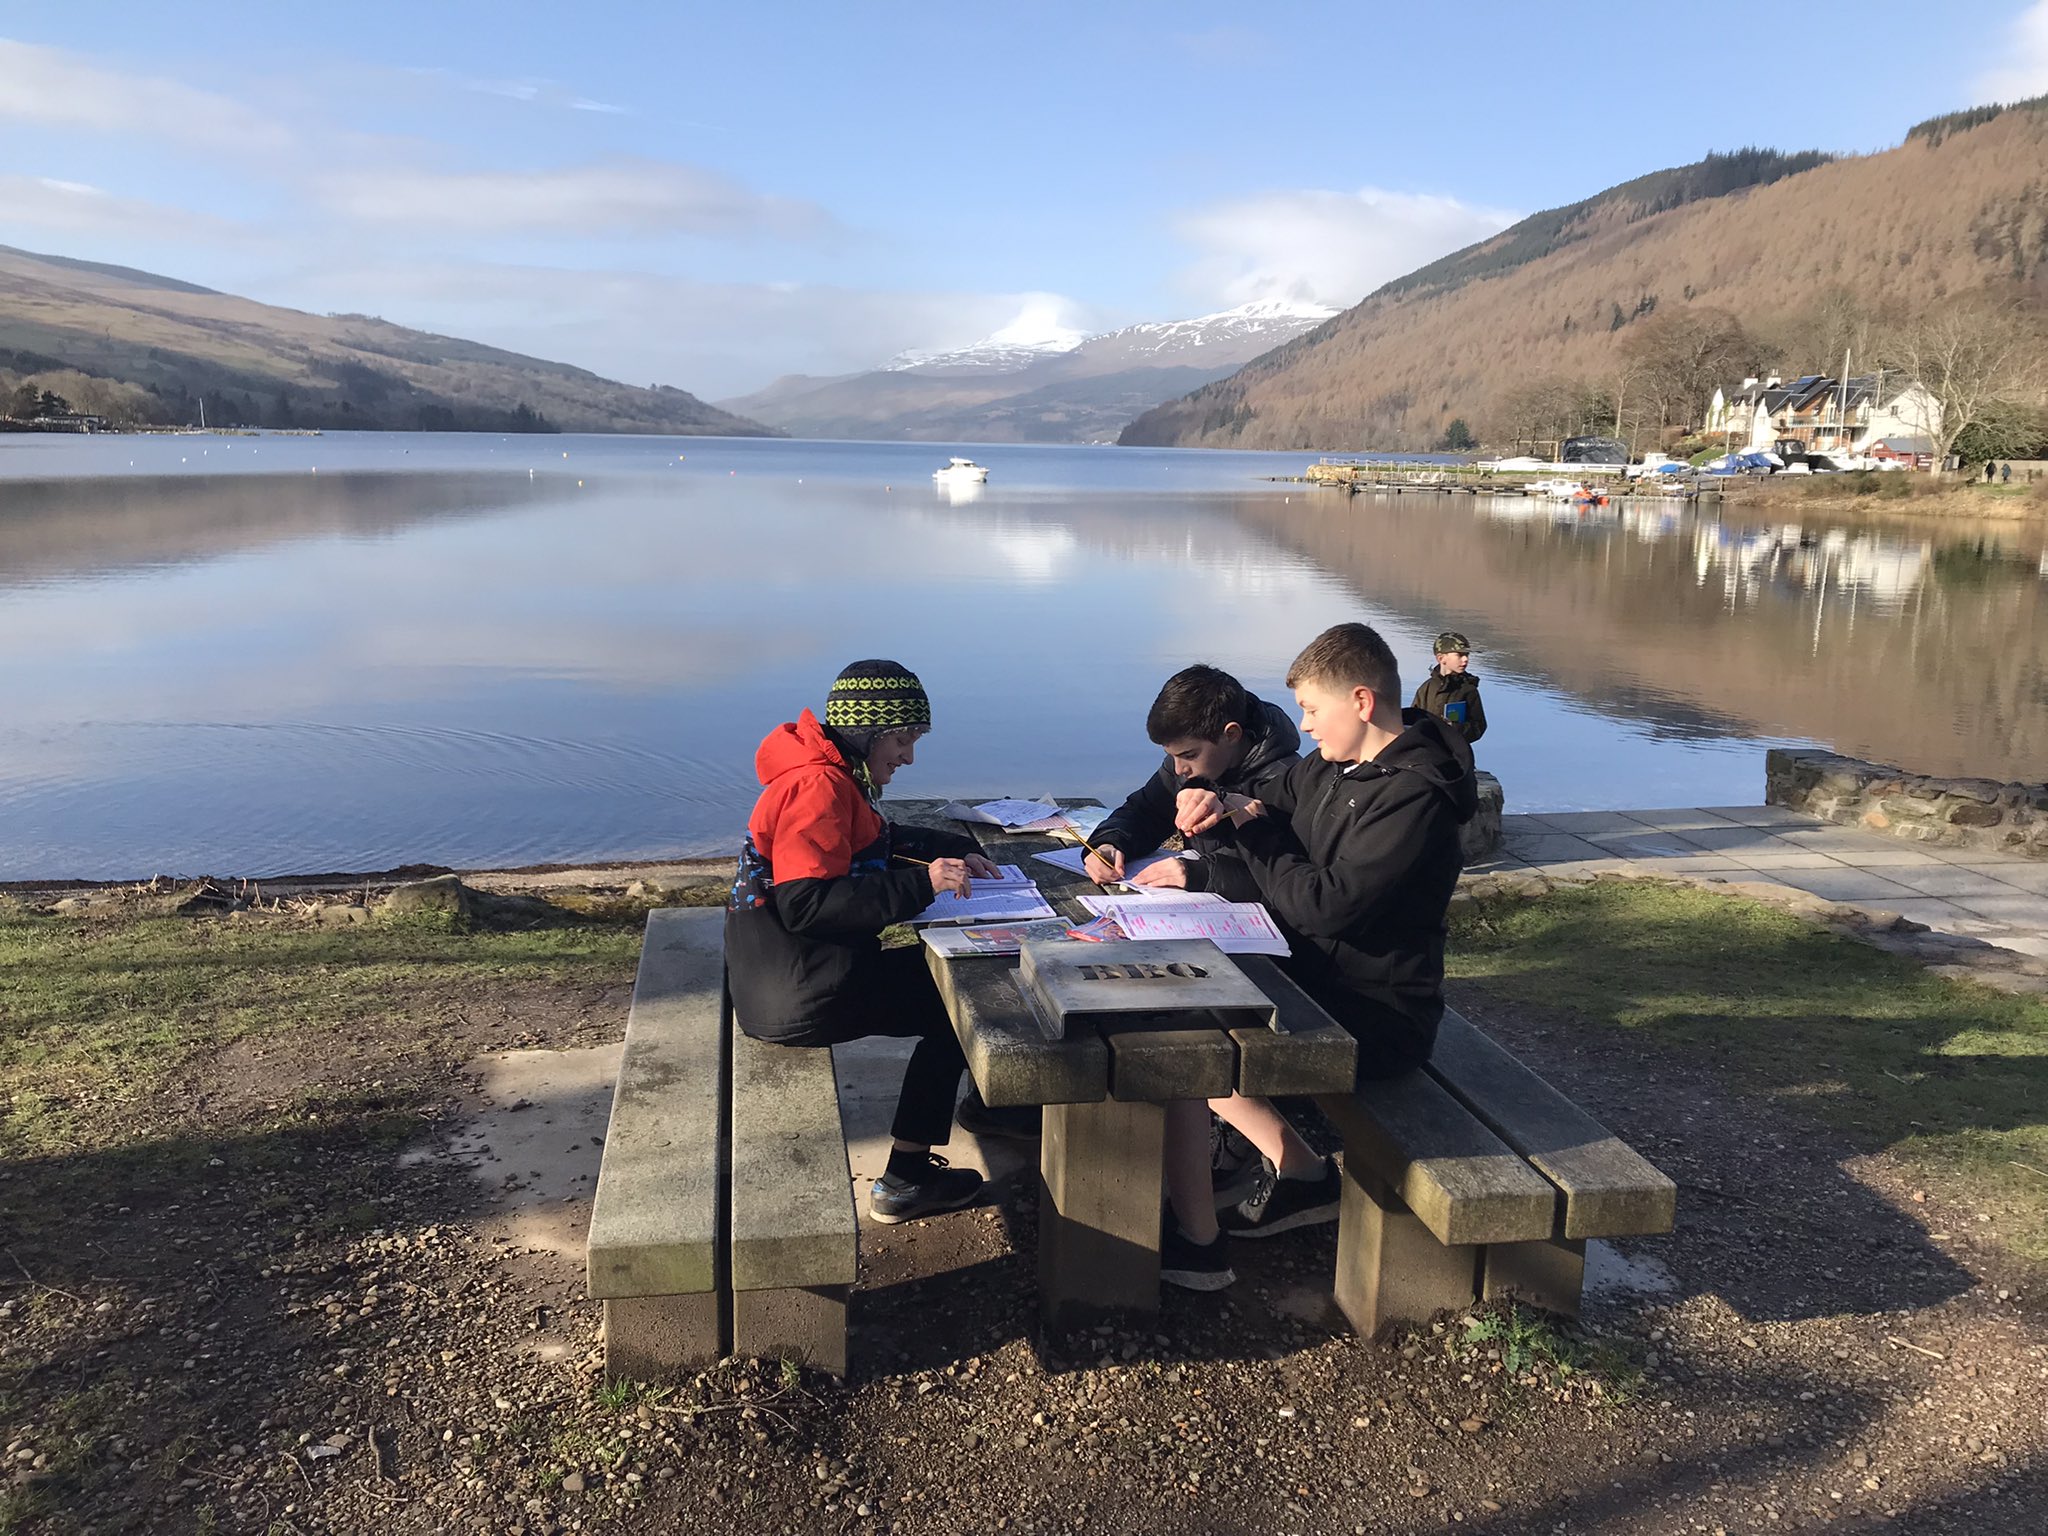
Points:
(817, 884)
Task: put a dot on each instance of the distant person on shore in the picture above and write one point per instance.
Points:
(1990, 469)
(821, 874)
(1216, 735)
(2005, 474)
(1355, 850)
(1451, 692)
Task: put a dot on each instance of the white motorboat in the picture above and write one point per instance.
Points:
(961, 472)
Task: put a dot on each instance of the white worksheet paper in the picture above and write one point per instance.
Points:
(1238, 927)
(1012, 895)
(1011, 815)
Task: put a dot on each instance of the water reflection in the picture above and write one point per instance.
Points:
(505, 657)
(1921, 645)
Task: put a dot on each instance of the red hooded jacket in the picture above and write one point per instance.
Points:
(815, 887)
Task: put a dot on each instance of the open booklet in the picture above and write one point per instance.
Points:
(1011, 895)
(1238, 927)
(992, 938)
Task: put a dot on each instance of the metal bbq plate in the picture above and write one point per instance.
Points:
(1072, 984)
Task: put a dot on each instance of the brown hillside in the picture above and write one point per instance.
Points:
(1940, 214)
(136, 347)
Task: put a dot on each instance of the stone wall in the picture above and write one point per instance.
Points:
(1962, 813)
(1480, 837)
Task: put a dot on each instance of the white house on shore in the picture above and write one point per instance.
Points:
(1823, 413)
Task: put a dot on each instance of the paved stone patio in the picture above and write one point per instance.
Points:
(2000, 899)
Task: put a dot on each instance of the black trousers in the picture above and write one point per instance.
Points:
(900, 1000)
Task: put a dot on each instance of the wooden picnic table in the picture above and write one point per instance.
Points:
(1102, 1157)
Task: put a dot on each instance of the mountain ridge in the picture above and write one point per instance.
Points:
(1030, 387)
(1757, 233)
(137, 346)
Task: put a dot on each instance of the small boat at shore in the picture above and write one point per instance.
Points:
(961, 472)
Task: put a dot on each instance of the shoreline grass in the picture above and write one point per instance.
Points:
(1949, 1077)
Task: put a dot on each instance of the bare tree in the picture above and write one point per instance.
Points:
(1682, 354)
(1972, 357)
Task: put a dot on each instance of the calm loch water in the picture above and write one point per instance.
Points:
(271, 655)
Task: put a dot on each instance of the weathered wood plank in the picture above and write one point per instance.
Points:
(1155, 1066)
(1609, 1189)
(793, 1221)
(1011, 1060)
(1454, 1174)
(655, 1220)
(1315, 1055)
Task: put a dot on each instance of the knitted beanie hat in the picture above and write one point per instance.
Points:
(873, 696)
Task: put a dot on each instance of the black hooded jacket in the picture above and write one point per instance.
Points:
(1359, 867)
(1145, 819)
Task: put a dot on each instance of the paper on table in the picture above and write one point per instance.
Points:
(993, 938)
(986, 907)
(1070, 859)
(1156, 899)
(1082, 820)
(1013, 894)
(1011, 815)
(1238, 927)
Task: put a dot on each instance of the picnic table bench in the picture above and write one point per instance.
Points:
(724, 1219)
(1471, 1179)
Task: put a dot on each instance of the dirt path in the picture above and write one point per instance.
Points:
(290, 1332)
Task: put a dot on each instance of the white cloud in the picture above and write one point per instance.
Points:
(1330, 247)
(714, 339)
(72, 207)
(2023, 68)
(610, 197)
(532, 91)
(60, 89)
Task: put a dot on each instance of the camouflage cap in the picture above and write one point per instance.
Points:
(1451, 643)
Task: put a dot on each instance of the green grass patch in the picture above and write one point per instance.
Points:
(1950, 1076)
(98, 1018)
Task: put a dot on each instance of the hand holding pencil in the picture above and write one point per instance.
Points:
(1104, 863)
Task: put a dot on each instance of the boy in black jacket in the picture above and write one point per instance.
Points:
(1355, 850)
(1216, 735)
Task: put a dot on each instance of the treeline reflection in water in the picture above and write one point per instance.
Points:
(1925, 646)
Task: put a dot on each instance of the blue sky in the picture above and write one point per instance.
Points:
(710, 197)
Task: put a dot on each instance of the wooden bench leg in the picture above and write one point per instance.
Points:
(1390, 1269)
(1100, 1171)
(807, 1324)
(1550, 1275)
(656, 1338)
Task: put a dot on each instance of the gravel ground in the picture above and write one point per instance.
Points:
(287, 1332)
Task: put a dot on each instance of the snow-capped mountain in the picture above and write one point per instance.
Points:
(1032, 337)
(1035, 380)
(1259, 325)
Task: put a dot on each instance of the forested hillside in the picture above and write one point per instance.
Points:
(135, 347)
(1772, 257)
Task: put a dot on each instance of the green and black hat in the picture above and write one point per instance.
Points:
(1451, 643)
(874, 696)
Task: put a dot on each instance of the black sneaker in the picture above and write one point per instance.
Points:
(1194, 1266)
(1234, 1164)
(935, 1188)
(1281, 1205)
(1023, 1123)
